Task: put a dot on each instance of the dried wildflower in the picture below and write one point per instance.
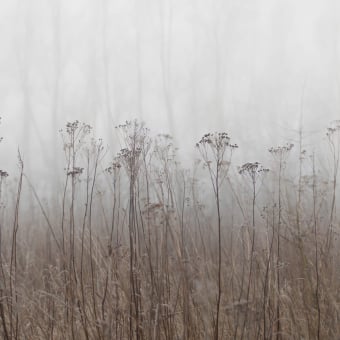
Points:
(74, 140)
(281, 150)
(252, 169)
(72, 127)
(113, 167)
(217, 145)
(75, 171)
(335, 126)
(280, 153)
(3, 174)
(216, 140)
(214, 148)
(137, 144)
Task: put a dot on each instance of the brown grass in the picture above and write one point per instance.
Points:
(143, 249)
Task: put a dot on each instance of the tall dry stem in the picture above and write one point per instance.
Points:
(216, 151)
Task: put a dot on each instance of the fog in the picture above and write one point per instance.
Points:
(257, 69)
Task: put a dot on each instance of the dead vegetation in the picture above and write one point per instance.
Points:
(142, 249)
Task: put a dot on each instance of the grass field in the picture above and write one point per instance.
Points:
(140, 248)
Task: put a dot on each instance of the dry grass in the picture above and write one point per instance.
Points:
(143, 249)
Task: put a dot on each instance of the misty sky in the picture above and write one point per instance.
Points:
(186, 67)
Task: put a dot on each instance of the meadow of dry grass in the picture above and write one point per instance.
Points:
(140, 248)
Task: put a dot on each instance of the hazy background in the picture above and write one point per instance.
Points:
(185, 67)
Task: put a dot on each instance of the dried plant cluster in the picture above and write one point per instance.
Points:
(140, 248)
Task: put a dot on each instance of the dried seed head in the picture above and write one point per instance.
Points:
(75, 171)
(252, 169)
(3, 174)
(334, 127)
